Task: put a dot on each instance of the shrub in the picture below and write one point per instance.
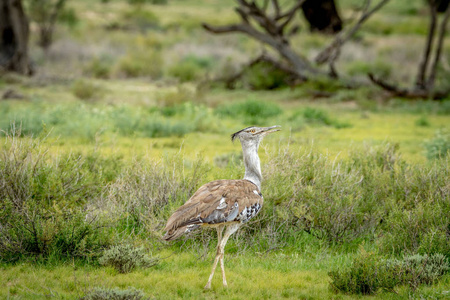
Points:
(43, 201)
(190, 68)
(264, 76)
(126, 258)
(251, 111)
(85, 90)
(69, 17)
(326, 198)
(141, 63)
(365, 276)
(114, 294)
(419, 269)
(423, 228)
(172, 100)
(422, 122)
(99, 67)
(439, 146)
(369, 272)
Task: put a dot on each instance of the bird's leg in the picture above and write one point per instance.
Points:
(219, 239)
(230, 230)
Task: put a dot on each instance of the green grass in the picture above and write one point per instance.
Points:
(182, 276)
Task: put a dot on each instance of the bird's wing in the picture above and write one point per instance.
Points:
(217, 202)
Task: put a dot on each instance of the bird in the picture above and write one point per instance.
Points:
(224, 203)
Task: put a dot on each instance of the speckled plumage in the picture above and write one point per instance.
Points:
(219, 201)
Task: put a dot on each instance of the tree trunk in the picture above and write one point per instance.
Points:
(322, 16)
(442, 5)
(14, 33)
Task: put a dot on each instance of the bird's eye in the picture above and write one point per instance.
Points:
(253, 131)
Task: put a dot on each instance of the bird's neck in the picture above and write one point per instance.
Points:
(252, 164)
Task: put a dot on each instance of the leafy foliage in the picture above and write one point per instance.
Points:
(126, 258)
(263, 76)
(365, 276)
(369, 272)
(190, 68)
(85, 90)
(44, 202)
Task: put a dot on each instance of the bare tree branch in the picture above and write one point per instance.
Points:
(330, 51)
(270, 32)
(408, 93)
(276, 7)
(437, 57)
(420, 80)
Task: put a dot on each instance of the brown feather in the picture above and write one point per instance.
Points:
(207, 199)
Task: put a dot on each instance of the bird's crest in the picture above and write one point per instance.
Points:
(234, 135)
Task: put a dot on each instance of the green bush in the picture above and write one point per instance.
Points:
(422, 228)
(373, 194)
(439, 146)
(326, 198)
(173, 100)
(126, 258)
(422, 122)
(264, 76)
(114, 294)
(250, 111)
(369, 273)
(141, 64)
(69, 17)
(366, 275)
(44, 208)
(99, 67)
(419, 269)
(85, 90)
(190, 68)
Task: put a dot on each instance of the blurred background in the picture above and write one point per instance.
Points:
(113, 112)
(117, 71)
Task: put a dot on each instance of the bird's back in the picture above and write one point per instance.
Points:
(217, 202)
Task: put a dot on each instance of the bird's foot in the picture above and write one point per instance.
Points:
(208, 286)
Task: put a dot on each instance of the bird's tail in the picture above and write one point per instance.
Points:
(177, 232)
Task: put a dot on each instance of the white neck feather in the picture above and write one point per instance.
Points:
(252, 163)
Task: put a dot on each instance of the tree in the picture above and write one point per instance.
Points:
(322, 16)
(271, 24)
(45, 13)
(14, 32)
(424, 86)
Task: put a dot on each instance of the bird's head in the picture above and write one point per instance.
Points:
(254, 134)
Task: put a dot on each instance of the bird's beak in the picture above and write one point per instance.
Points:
(267, 130)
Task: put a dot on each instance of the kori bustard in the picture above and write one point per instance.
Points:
(224, 203)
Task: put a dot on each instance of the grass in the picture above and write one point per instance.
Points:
(182, 276)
